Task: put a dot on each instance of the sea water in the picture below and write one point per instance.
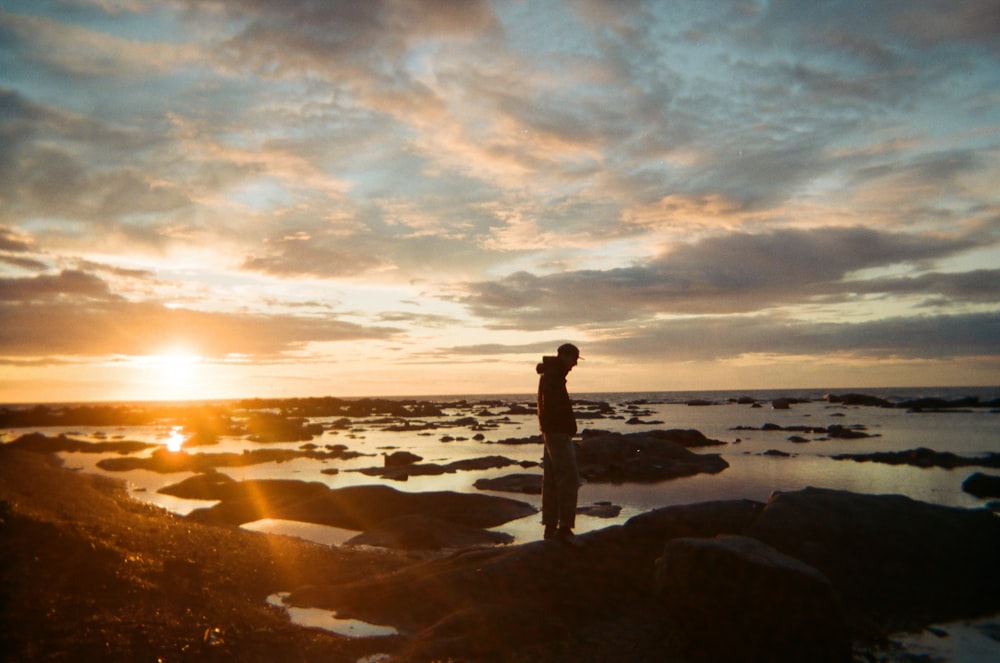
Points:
(752, 474)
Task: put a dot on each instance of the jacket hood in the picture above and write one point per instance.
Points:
(551, 365)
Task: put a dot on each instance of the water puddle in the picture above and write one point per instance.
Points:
(328, 621)
(975, 641)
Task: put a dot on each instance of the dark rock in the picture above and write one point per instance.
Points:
(847, 433)
(891, 558)
(923, 457)
(517, 409)
(939, 404)
(529, 484)
(894, 563)
(982, 485)
(600, 510)
(689, 437)
(40, 443)
(705, 519)
(776, 452)
(209, 486)
(772, 607)
(858, 399)
(354, 507)
(164, 461)
(401, 458)
(271, 427)
(422, 532)
(473, 604)
(403, 472)
(533, 439)
(780, 404)
(617, 458)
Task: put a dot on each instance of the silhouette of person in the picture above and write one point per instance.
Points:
(560, 477)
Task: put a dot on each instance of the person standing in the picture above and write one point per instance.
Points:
(560, 477)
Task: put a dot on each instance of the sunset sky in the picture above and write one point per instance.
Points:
(239, 198)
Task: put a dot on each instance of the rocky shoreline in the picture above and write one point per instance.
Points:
(809, 575)
(818, 575)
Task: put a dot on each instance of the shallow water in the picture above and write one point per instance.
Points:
(751, 474)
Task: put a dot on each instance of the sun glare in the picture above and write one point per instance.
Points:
(176, 438)
(170, 375)
(175, 366)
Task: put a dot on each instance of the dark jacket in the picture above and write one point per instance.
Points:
(555, 412)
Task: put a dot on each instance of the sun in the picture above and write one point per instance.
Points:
(171, 374)
(175, 365)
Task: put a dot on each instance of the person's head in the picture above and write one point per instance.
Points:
(569, 354)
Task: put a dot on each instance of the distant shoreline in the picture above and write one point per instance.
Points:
(985, 392)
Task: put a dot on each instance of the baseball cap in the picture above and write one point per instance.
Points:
(569, 349)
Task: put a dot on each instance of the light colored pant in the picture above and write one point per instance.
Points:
(560, 482)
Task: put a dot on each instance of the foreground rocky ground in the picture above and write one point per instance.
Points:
(813, 575)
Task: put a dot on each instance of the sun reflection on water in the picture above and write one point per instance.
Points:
(176, 438)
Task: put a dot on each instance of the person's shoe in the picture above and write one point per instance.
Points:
(551, 532)
(566, 535)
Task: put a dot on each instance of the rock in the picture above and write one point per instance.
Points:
(780, 404)
(893, 562)
(889, 555)
(688, 438)
(733, 598)
(600, 510)
(401, 458)
(923, 457)
(617, 458)
(165, 461)
(921, 404)
(858, 399)
(847, 433)
(208, 486)
(270, 427)
(636, 421)
(404, 472)
(355, 507)
(529, 484)
(40, 443)
(982, 485)
(422, 532)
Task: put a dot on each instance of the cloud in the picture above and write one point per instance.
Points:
(104, 328)
(723, 339)
(77, 313)
(731, 273)
(71, 283)
(288, 258)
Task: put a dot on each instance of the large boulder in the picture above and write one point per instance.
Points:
(891, 558)
(732, 598)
